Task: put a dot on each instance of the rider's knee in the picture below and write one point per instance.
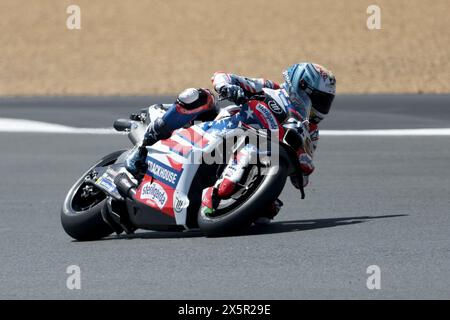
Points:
(195, 101)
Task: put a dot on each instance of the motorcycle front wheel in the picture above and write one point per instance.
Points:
(238, 214)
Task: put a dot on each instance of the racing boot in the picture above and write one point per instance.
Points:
(135, 162)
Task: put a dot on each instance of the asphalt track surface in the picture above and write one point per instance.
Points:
(373, 201)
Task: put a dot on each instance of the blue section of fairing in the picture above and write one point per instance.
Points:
(163, 172)
(175, 120)
(245, 115)
(248, 117)
(222, 125)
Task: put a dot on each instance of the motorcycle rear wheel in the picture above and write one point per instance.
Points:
(81, 217)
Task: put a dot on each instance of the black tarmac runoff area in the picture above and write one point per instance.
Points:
(380, 201)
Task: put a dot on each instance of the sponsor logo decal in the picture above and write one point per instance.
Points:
(163, 172)
(177, 205)
(287, 78)
(180, 202)
(275, 107)
(155, 192)
(272, 122)
(105, 182)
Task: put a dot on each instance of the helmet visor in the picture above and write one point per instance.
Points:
(321, 101)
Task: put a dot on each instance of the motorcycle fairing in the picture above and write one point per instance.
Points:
(258, 115)
(174, 162)
(172, 165)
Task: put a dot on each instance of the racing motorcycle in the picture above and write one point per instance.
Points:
(107, 199)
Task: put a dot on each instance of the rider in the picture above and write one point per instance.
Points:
(308, 87)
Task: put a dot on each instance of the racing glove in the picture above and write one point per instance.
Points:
(233, 93)
(295, 180)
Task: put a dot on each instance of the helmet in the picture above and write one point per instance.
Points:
(318, 83)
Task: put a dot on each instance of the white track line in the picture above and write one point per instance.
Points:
(388, 132)
(21, 125)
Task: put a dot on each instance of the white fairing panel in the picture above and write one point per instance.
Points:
(180, 157)
(187, 165)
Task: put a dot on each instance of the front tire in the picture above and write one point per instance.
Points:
(241, 217)
(82, 219)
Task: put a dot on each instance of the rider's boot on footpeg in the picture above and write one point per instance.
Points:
(135, 162)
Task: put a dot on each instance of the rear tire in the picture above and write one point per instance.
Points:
(240, 218)
(86, 224)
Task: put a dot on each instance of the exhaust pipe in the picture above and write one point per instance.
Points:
(125, 186)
